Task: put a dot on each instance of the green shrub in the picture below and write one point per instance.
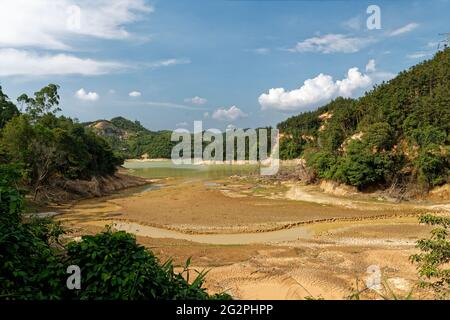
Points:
(114, 266)
(30, 263)
(379, 135)
(11, 197)
(432, 168)
(432, 261)
(323, 162)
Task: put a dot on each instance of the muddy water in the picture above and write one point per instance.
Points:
(223, 239)
(165, 169)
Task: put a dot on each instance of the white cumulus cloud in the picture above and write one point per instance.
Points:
(332, 43)
(231, 114)
(405, 29)
(15, 62)
(135, 94)
(315, 92)
(87, 96)
(48, 23)
(196, 100)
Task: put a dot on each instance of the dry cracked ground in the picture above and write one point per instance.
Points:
(267, 241)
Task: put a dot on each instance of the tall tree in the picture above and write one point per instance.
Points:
(8, 110)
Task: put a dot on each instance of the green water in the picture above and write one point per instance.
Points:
(164, 169)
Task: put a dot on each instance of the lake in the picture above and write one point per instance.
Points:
(165, 168)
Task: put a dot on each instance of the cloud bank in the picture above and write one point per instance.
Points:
(25, 63)
(47, 23)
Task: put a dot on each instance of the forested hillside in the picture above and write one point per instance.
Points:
(46, 147)
(395, 135)
(130, 139)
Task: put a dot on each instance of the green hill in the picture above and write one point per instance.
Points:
(129, 139)
(395, 135)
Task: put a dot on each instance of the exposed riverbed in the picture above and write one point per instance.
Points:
(260, 239)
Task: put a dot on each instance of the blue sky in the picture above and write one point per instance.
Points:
(168, 63)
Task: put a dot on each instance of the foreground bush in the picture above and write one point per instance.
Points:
(114, 266)
(33, 262)
(433, 260)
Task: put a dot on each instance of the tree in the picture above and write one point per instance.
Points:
(46, 159)
(7, 109)
(432, 262)
(379, 136)
(51, 147)
(45, 101)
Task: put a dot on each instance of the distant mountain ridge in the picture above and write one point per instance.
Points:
(130, 139)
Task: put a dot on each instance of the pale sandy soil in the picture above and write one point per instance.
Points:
(258, 244)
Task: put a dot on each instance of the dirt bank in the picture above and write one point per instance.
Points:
(63, 190)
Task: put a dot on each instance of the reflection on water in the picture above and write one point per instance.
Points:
(164, 169)
(151, 188)
(220, 239)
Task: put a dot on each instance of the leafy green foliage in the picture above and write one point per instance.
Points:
(129, 139)
(361, 166)
(10, 195)
(432, 262)
(127, 125)
(45, 101)
(114, 267)
(30, 264)
(49, 146)
(7, 109)
(155, 145)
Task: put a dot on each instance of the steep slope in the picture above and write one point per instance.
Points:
(129, 139)
(395, 135)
